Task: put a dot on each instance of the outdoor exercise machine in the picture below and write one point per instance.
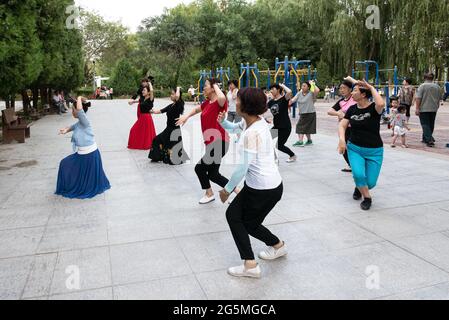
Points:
(249, 75)
(293, 72)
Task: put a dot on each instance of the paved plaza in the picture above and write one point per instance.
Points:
(148, 238)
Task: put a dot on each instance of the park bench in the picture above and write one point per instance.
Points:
(14, 128)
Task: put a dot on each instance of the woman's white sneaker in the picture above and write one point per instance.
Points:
(292, 159)
(206, 199)
(242, 272)
(271, 253)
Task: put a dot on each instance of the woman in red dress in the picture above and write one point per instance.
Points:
(143, 132)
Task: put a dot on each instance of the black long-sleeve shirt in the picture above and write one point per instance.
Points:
(173, 111)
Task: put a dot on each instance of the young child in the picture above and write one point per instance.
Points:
(394, 104)
(400, 126)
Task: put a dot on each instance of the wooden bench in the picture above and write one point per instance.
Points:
(14, 128)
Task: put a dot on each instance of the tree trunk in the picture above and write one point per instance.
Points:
(7, 102)
(44, 95)
(35, 97)
(13, 101)
(25, 101)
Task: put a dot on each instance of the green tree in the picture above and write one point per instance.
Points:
(21, 55)
(125, 78)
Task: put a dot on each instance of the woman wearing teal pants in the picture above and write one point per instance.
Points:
(365, 146)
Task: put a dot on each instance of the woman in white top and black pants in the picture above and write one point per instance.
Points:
(263, 184)
(233, 116)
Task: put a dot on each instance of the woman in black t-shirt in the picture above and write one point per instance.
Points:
(281, 119)
(167, 146)
(365, 146)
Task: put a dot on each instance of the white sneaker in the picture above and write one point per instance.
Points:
(271, 253)
(206, 199)
(241, 272)
(292, 159)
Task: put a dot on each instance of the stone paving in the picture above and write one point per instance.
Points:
(147, 238)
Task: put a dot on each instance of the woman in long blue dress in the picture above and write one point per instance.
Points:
(81, 174)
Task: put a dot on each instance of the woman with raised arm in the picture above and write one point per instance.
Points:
(339, 110)
(306, 99)
(263, 184)
(365, 146)
(215, 138)
(167, 146)
(143, 132)
(282, 128)
(81, 174)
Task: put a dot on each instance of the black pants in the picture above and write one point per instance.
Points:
(345, 155)
(427, 120)
(283, 134)
(208, 169)
(247, 213)
(408, 110)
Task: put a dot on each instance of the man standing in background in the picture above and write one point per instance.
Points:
(428, 100)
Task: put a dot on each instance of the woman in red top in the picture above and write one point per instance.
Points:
(215, 138)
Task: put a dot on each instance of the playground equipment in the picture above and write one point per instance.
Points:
(386, 86)
(204, 75)
(250, 73)
(223, 75)
(294, 72)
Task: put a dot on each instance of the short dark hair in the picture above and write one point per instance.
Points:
(144, 80)
(394, 98)
(253, 101)
(347, 83)
(402, 108)
(234, 82)
(429, 76)
(408, 80)
(308, 84)
(277, 86)
(212, 81)
(367, 92)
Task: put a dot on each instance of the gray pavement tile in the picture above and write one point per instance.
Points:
(179, 288)
(97, 294)
(39, 280)
(136, 228)
(74, 236)
(437, 292)
(146, 261)
(13, 276)
(433, 248)
(16, 218)
(20, 242)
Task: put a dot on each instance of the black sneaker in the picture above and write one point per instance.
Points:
(366, 204)
(357, 195)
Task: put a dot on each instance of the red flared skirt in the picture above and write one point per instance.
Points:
(142, 133)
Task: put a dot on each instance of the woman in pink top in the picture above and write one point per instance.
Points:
(339, 110)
